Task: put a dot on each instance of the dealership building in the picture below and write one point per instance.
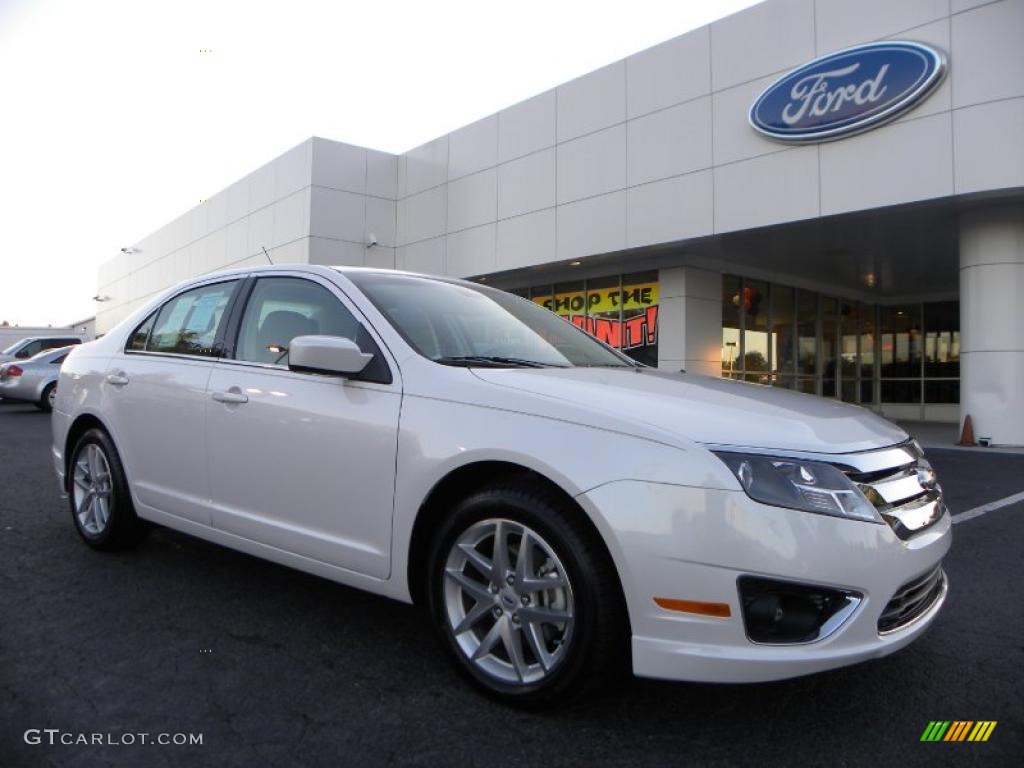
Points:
(825, 196)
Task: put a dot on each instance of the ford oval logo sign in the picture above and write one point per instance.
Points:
(848, 91)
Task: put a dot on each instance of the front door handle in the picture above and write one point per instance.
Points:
(117, 379)
(233, 395)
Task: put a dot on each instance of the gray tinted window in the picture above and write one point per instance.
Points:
(187, 324)
(281, 308)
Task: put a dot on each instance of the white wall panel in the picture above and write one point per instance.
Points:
(526, 184)
(526, 127)
(669, 73)
(592, 102)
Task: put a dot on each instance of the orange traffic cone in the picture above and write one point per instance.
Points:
(967, 435)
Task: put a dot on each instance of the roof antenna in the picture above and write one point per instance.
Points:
(266, 254)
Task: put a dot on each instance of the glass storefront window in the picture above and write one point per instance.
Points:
(840, 348)
(829, 333)
(620, 311)
(942, 339)
(640, 316)
(755, 334)
(867, 353)
(901, 341)
(789, 337)
(807, 333)
(731, 351)
(783, 338)
(604, 310)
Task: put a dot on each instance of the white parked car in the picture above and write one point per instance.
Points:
(559, 509)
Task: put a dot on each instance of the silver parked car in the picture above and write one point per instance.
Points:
(33, 345)
(33, 380)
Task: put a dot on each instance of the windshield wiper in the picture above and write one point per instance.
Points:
(493, 361)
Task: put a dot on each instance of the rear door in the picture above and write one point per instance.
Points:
(155, 395)
(300, 461)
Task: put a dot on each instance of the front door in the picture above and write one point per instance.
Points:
(299, 461)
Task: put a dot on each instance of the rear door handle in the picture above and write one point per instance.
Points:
(233, 395)
(117, 379)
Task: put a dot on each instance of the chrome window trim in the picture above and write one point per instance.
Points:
(282, 369)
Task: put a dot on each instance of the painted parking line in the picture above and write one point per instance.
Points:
(970, 514)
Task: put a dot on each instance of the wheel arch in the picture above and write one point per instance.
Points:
(459, 483)
(82, 424)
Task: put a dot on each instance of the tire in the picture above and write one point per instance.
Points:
(45, 402)
(109, 521)
(534, 646)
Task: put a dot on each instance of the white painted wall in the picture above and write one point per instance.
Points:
(656, 148)
(651, 149)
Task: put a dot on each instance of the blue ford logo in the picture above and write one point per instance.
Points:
(848, 91)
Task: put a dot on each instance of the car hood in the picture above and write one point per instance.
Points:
(706, 409)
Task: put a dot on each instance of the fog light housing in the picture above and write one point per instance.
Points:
(781, 612)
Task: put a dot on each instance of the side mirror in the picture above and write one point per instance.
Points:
(327, 354)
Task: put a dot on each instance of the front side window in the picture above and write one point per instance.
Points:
(463, 324)
(281, 308)
(187, 324)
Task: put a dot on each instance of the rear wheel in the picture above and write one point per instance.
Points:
(101, 505)
(525, 596)
(46, 400)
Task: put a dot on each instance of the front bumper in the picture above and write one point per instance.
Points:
(693, 544)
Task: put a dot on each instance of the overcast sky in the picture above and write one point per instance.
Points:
(116, 119)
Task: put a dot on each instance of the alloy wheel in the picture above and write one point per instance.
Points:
(509, 601)
(93, 489)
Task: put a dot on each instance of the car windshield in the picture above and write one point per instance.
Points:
(473, 325)
(13, 348)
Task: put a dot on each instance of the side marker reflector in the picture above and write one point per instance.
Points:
(721, 610)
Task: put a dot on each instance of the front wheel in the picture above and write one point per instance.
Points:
(101, 505)
(525, 596)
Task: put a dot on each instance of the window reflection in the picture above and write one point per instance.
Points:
(840, 348)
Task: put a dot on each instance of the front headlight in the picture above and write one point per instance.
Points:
(810, 486)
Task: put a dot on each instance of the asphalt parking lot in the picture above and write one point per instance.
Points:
(274, 667)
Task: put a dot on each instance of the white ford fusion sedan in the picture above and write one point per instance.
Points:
(560, 510)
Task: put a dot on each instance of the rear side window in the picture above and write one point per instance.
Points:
(187, 324)
(137, 341)
(54, 343)
(58, 360)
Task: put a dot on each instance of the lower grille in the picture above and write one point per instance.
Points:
(912, 600)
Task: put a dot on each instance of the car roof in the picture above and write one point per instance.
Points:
(317, 269)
